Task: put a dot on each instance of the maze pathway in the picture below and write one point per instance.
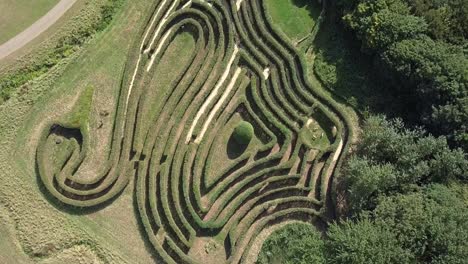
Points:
(196, 203)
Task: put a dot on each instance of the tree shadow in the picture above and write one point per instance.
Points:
(349, 73)
(234, 149)
(313, 6)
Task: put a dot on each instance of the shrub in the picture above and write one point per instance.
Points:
(295, 243)
(243, 133)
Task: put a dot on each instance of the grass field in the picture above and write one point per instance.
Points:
(296, 18)
(17, 15)
(10, 248)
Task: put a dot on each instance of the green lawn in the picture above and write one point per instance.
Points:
(10, 250)
(17, 15)
(296, 18)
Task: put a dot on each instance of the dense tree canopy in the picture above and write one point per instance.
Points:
(431, 223)
(428, 226)
(420, 51)
(392, 159)
(364, 241)
(404, 185)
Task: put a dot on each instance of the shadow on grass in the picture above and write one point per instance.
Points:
(310, 5)
(349, 73)
(234, 149)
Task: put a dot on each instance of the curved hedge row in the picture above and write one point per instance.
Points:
(171, 134)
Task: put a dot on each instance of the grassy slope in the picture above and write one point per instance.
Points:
(37, 220)
(295, 17)
(17, 15)
(10, 250)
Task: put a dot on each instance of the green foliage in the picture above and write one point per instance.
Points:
(293, 244)
(341, 68)
(391, 159)
(368, 180)
(243, 133)
(398, 174)
(364, 241)
(410, 43)
(437, 74)
(407, 196)
(107, 13)
(432, 224)
(447, 19)
(382, 27)
(411, 219)
(428, 226)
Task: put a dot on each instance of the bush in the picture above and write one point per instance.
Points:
(364, 241)
(295, 243)
(243, 133)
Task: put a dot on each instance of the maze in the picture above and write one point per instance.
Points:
(202, 197)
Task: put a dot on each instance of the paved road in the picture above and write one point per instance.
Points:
(35, 29)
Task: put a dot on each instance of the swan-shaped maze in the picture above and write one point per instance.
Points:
(172, 138)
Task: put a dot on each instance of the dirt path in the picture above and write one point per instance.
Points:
(35, 29)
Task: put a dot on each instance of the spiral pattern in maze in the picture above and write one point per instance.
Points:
(169, 137)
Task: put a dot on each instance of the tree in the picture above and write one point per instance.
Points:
(383, 28)
(435, 73)
(364, 241)
(413, 47)
(293, 244)
(446, 18)
(367, 181)
(391, 159)
(431, 223)
(426, 226)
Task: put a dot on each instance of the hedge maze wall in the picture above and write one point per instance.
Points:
(196, 189)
